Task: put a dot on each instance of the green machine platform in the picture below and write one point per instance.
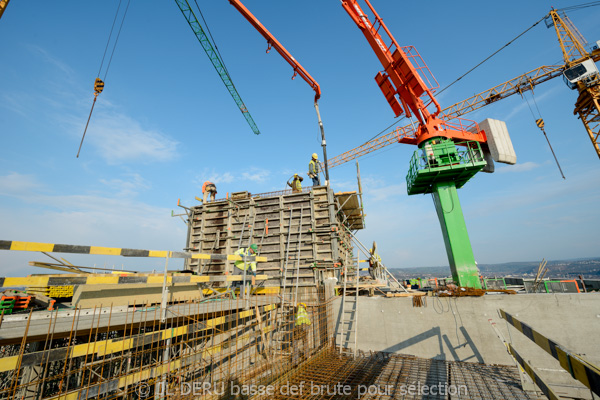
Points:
(440, 167)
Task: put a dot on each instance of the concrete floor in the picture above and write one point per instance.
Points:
(460, 329)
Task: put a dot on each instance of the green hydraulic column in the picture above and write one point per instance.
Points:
(440, 167)
(458, 246)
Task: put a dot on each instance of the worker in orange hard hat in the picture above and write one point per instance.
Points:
(313, 170)
(208, 187)
(296, 184)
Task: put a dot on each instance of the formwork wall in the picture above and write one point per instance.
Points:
(301, 234)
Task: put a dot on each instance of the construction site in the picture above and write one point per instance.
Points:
(279, 298)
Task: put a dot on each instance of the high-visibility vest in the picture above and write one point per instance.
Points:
(302, 317)
(296, 185)
(240, 264)
(208, 183)
(375, 260)
(313, 167)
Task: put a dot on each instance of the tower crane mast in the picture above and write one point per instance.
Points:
(582, 75)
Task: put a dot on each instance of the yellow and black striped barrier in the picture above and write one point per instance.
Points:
(579, 368)
(535, 377)
(44, 282)
(115, 251)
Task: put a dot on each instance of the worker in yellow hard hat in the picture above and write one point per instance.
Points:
(296, 184)
(313, 170)
(302, 315)
(244, 265)
(301, 327)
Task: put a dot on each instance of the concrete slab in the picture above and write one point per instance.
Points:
(460, 329)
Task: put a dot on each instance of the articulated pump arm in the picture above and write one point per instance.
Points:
(272, 42)
(399, 76)
(403, 84)
(298, 69)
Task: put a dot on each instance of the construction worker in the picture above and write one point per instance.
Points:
(243, 266)
(208, 187)
(296, 184)
(375, 260)
(313, 170)
(301, 329)
(374, 263)
(302, 316)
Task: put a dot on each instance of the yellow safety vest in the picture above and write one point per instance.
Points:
(375, 261)
(240, 264)
(302, 317)
(296, 185)
(313, 167)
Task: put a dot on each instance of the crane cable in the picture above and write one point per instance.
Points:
(99, 83)
(493, 54)
(210, 34)
(540, 124)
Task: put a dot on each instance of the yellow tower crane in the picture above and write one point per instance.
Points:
(3, 4)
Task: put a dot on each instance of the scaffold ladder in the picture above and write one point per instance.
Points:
(348, 326)
(284, 332)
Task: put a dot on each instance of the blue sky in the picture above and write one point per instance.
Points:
(165, 123)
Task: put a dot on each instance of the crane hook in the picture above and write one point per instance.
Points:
(268, 47)
(295, 73)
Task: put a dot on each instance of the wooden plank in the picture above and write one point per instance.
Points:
(414, 294)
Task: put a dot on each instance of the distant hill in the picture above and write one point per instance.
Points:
(588, 267)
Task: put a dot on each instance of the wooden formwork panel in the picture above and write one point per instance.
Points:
(299, 233)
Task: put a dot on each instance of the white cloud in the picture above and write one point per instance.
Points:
(17, 185)
(255, 174)
(521, 167)
(51, 60)
(214, 177)
(85, 219)
(532, 105)
(128, 187)
(121, 139)
(17, 102)
(342, 186)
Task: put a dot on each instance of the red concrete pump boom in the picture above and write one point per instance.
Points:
(298, 70)
(403, 84)
(272, 42)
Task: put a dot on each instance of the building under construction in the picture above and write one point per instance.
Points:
(127, 335)
(322, 317)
